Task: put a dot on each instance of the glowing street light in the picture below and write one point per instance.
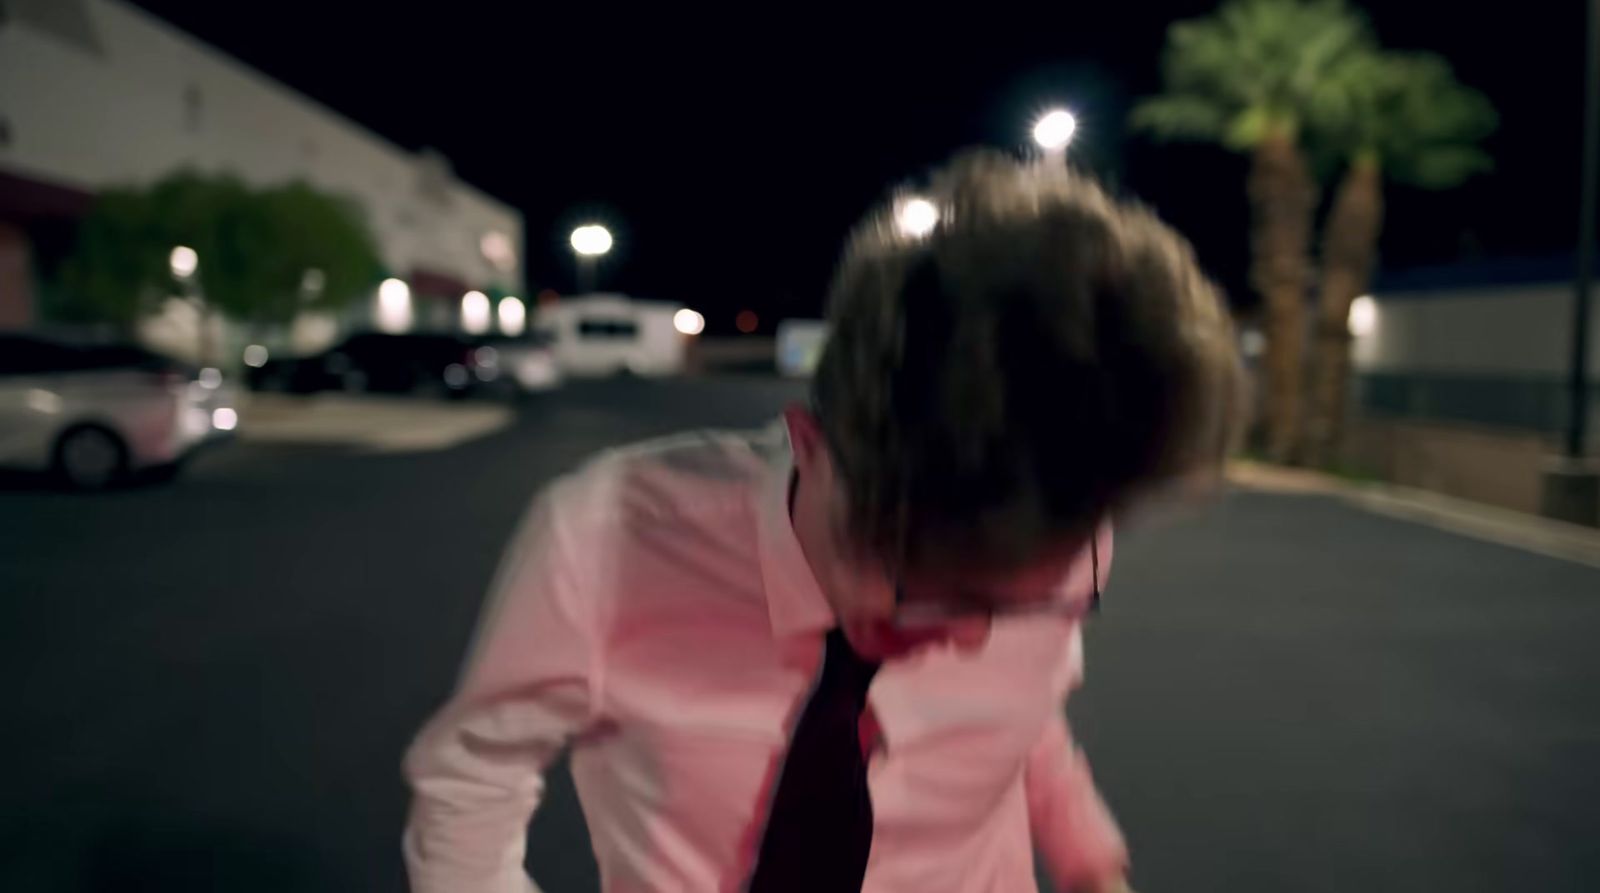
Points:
(513, 315)
(591, 240)
(688, 322)
(183, 261)
(916, 217)
(1363, 316)
(475, 312)
(394, 306)
(1054, 130)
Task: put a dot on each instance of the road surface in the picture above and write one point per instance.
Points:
(210, 684)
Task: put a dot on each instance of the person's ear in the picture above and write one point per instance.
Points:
(805, 436)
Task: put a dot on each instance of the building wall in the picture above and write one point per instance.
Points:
(1464, 390)
(97, 92)
(1511, 330)
(1493, 356)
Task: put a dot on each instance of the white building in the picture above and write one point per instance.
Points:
(96, 93)
(1486, 344)
(1461, 379)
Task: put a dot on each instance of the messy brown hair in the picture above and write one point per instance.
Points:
(1040, 358)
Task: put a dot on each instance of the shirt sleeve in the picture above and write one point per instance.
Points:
(530, 684)
(1073, 830)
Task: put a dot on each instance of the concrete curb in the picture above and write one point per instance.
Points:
(373, 424)
(1543, 536)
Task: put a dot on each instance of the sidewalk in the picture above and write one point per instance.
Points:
(376, 424)
(1556, 539)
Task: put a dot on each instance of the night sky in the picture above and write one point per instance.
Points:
(730, 151)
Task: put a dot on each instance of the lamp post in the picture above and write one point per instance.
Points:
(1572, 482)
(1578, 420)
(394, 313)
(915, 216)
(513, 316)
(590, 242)
(184, 262)
(1053, 132)
(475, 315)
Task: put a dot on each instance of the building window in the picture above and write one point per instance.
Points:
(607, 329)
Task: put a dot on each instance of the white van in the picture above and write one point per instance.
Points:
(611, 334)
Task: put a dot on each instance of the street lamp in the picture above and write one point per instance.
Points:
(1363, 318)
(1053, 132)
(513, 315)
(915, 217)
(1571, 486)
(183, 261)
(394, 306)
(475, 312)
(688, 322)
(590, 241)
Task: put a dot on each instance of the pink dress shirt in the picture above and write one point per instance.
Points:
(655, 613)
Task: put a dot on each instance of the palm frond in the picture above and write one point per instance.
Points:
(1181, 116)
(1409, 110)
(1259, 63)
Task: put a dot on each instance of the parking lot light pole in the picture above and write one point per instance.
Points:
(590, 242)
(1572, 481)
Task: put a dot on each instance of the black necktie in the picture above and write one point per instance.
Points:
(819, 830)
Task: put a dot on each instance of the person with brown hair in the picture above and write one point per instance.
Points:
(832, 655)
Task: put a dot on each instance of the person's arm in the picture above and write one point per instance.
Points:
(1073, 831)
(530, 684)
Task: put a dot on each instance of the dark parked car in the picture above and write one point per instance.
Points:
(444, 365)
(522, 364)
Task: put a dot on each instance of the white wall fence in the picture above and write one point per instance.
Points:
(1495, 356)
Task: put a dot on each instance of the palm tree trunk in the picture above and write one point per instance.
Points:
(1349, 246)
(1282, 202)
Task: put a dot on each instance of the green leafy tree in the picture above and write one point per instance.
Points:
(118, 269)
(323, 255)
(265, 254)
(1396, 116)
(1251, 77)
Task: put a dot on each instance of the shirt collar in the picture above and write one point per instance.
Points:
(795, 603)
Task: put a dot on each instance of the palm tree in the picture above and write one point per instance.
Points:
(1250, 77)
(1397, 115)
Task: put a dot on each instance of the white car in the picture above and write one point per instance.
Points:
(94, 414)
